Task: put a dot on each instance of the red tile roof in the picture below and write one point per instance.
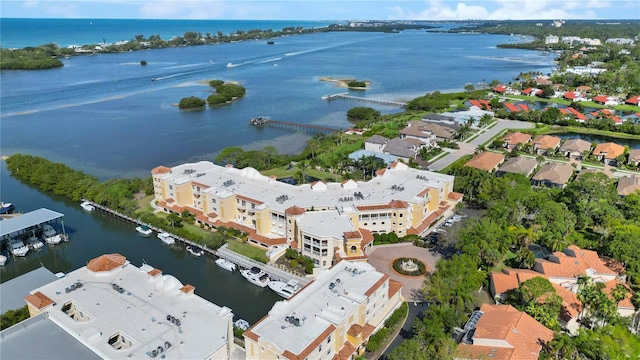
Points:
(635, 100)
(511, 107)
(601, 98)
(394, 287)
(610, 150)
(246, 198)
(516, 138)
(480, 103)
(345, 352)
(160, 170)
(546, 142)
(455, 196)
(39, 300)
(500, 88)
(509, 279)
(106, 262)
(294, 210)
(486, 161)
(187, 288)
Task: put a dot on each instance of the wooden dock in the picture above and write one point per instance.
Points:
(156, 229)
(346, 96)
(267, 121)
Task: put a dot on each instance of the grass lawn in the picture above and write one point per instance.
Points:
(145, 203)
(247, 250)
(502, 264)
(193, 229)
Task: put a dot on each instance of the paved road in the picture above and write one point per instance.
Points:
(485, 135)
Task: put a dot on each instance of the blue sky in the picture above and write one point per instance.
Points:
(324, 9)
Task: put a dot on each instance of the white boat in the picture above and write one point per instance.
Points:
(229, 65)
(18, 248)
(241, 324)
(256, 276)
(86, 206)
(144, 230)
(166, 238)
(285, 289)
(6, 208)
(226, 264)
(54, 240)
(195, 251)
(48, 231)
(35, 243)
(3, 260)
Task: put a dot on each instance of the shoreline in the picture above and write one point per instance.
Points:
(344, 83)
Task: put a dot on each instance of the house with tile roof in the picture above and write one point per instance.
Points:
(514, 139)
(573, 96)
(418, 130)
(575, 148)
(330, 318)
(634, 157)
(634, 100)
(318, 219)
(501, 88)
(608, 152)
(553, 175)
(443, 131)
(117, 310)
(480, 104)
(563, 269)
(605, 114)
(573, 113)
(545, 144)
(628, 184)
(487, 161)
(516, 107)
(532, 91)
(518, 165)
(503, 332)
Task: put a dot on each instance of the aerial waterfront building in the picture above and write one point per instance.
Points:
(120, 311)
(331, 318)
(325, 221)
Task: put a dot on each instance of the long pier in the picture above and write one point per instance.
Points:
(346, 96)
(267, 121)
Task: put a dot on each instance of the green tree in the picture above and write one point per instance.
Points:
(174, 220)
(191, 102)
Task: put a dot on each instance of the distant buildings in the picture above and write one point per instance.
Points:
(331, 318)
(620, 41)
(120, 311)
(551, 39)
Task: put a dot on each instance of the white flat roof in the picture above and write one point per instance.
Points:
(318, 306)
(138, 313)
(250, 183)
(325, 223)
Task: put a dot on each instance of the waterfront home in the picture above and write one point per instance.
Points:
(121, 311)
(573, 113)
(563, 269)
(331, 318)
(513, 140)
(545, 144)
(575, 148)
(502, 332)
(518, 165)
(543, 80)
(634, 100)
(532, 91)
(438, 118)
(608, 152)
(605, 114)
(574, 96)
(473, 112)
(632, 118)
(628, 185)
(500, 88)
(513, 108)
(417, 130)
(553, 175)
(606, 100)
(634, 157)
(322, 220)
(583, 89)
(375, 143)
(486, 161)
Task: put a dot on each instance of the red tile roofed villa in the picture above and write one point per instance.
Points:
(487, 161)
(605, 114)
(572, 95)
(512, 140)
(580, 117)
(500, 89)
(482, 104)
(398, 199)
(545, 143)
(608, 152)
(532, 91)
(634, 100)
(504, 333)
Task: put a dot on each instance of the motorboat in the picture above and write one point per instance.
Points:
(256, 276)
(6, 208)
(18, 248)
(166, 238)
(54, 240)
(35, 243)
(195, 251)
(285, 289)
(86, 206)
(226, 264)
(241, 324)
(48, 231)
(144, 230)
(229, 65)
(3, 259)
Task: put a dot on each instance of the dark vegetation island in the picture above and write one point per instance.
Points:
(225, 93)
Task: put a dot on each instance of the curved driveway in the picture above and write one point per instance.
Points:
(485, 135)
(382, 256)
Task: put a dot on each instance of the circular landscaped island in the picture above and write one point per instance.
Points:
(409, 267)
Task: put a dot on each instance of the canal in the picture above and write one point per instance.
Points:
(97, 233)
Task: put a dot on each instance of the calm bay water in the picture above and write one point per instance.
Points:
(102, 114)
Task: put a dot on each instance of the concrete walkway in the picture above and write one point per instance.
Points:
(382, 256)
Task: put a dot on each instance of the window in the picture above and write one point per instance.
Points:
(119, 342)
(401, 215)
(329, 339)
(320, 348)
(170, 187)
(213, 201)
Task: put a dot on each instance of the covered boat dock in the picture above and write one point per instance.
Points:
(28, 223)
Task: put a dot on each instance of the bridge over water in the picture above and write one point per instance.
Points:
(346, 96)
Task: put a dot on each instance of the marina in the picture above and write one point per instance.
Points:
(346, 96)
